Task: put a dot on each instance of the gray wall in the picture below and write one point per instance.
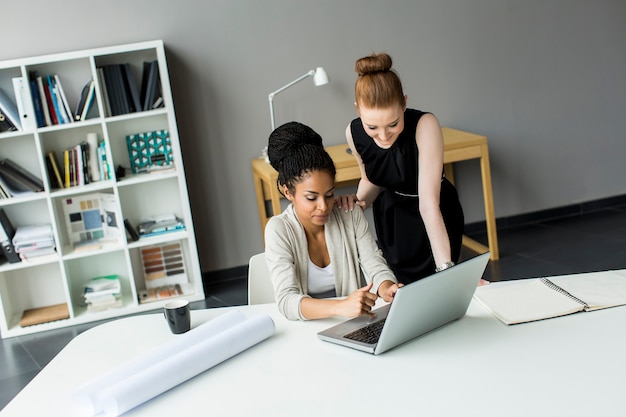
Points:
(542, 79)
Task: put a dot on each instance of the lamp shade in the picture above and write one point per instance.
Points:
(320, 77)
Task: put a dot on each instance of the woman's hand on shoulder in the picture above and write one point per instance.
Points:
(359, 302)
(347, 202)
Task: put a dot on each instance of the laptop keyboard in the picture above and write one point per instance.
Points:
(368, 334)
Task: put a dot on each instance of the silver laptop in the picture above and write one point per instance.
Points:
(417, 308)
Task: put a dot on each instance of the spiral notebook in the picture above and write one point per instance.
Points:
(543, 298)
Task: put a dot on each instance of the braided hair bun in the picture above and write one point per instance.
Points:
(294, 150)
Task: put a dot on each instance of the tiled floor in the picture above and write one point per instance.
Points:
(589, 242)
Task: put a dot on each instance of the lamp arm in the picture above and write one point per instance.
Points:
(270, 97)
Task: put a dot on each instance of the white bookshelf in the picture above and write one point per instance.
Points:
(60, 278)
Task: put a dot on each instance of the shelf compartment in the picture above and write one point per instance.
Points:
(81, 270)
(20, 292)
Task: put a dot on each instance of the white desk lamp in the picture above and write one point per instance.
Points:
(319, 78)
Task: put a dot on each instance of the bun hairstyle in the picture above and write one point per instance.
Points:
(377, 85)
(294, 150)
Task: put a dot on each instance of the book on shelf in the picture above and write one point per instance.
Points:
(106, 104)
(151, 86)
(164, 272)
(160, 225)
(36, 100)
(104, 165)
(24, 103)
(57, 106)
(54, 171)
(17, 179)
(85, 101)
(45, 107)
(33, 241)
(120, 91)
(9, 112)
(544, 298)
(150, 151)
(92, 219)
(7, 232)
(102, 293)
(45, 314)
(65, 105)
(132, 92)
(78, 163)
(54, 119)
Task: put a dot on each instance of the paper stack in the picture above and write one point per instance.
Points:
(102, 293)
(33, 241)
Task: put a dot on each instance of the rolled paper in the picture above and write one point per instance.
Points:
(85, 395)
(172, 371)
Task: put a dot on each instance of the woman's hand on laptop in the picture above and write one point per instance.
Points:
(359, 302)
(387, 290)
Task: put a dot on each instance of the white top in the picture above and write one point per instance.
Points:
(320, 280)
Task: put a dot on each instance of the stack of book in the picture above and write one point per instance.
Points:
(81, 164)
(15, 180)
(102, 293)
(120, 92)
(34, 241)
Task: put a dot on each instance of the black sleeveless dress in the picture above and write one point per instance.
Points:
(399, 227)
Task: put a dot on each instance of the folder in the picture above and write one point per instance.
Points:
(9, 109)
(24, 103)
(7, 231)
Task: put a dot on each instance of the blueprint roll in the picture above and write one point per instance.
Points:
(170, 372)
(94, 166)
(85, 395)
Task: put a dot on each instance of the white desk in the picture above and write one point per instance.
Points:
(476, 366)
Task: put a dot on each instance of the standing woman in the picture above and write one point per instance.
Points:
(418, 218)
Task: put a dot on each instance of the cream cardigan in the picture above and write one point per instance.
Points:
(354, 255)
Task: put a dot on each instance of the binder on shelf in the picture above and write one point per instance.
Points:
(9, 110)
(24, 103)
(7, 232)
(19, 177)
(5, 123)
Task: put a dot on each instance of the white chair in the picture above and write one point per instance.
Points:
(260, 289)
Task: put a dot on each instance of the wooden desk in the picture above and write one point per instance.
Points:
(475, 367)
(458, 146)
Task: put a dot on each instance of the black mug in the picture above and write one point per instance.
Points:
(178, 316)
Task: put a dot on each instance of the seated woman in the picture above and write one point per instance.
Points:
(315, 251)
